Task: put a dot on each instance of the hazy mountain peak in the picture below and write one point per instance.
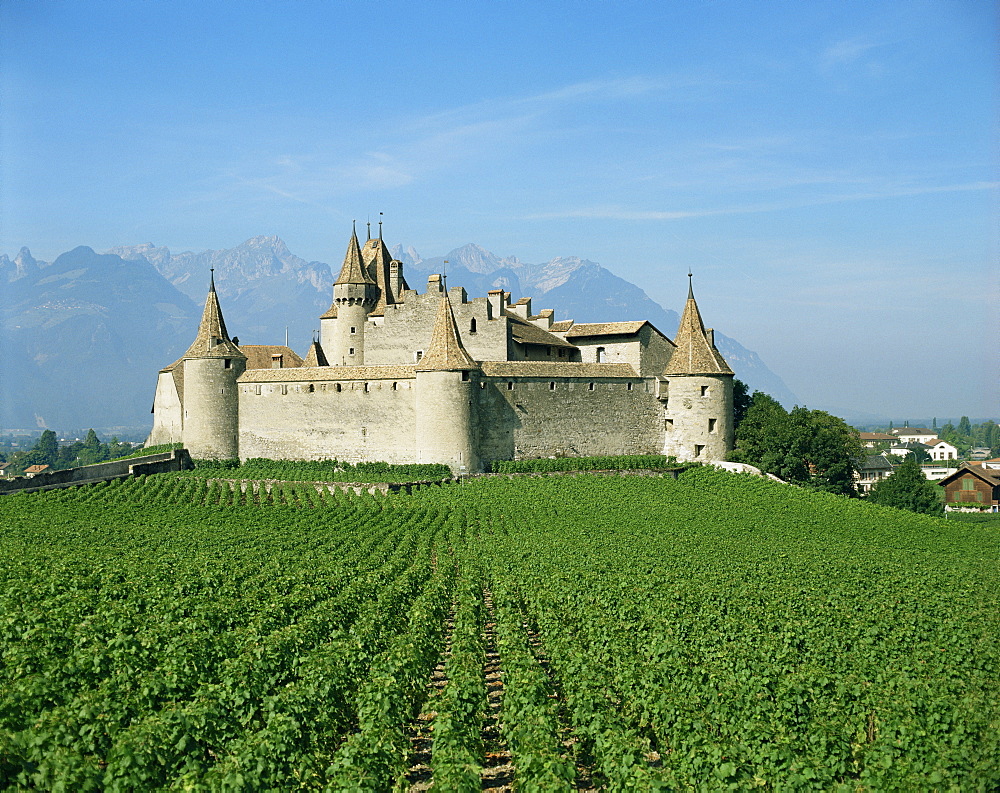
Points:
(409, 256)
(477, 259)
(271, 243)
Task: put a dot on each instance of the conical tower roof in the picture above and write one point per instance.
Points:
(695, 354)
(315, 356)
(212, 340)
(446, 353)
(353, 270)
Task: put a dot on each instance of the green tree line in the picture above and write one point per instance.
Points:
(47, 451)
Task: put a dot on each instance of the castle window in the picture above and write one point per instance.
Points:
(277, 361)
(419, 354)
(465, 377)
(472, 325)
(395, 386)
(257, 390)
(698, 449)
(711, 425)
(368, 387)
(510, 385)
(552, 386)
(227, 363)
(284, 389)
(704, 390)
(668, 424)
(590, 386)
(601, 355)
(628, 387)
(548, 351)
(311, 388)
(353, 329)
(350, 351)
(339, 388)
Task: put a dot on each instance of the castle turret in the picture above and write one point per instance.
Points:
(446, 377)
(698, 394)
(210, 401)
(354, 296)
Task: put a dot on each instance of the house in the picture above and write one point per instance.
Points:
(34, 470)
(974, 485)
(935, 472)
(4, 470)
(941, 450)
(872, 440)
(873, 469)
(909, 447)
(914, 434)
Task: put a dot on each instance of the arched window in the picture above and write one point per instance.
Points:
(600, 354)
(472, 325)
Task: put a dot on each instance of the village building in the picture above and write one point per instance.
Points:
(972, 487)
(407, 377)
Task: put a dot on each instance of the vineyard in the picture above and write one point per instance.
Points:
(713, 631)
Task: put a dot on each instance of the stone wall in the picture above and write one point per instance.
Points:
(335, 412)
(396, 337)
(546, 416)
(167, 415)
(177, 460)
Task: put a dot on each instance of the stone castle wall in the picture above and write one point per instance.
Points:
(347, 413)
(547, 416)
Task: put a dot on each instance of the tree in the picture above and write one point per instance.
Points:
(741, 401)
(47, 448)
(93, 450)
(807, 447)
(907, 488)
(964, 426)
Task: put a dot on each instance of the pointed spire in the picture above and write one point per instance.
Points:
(695, 353)
(380, 225)
(446, 353)
(315, 356)
(353, 270)
(213, 339)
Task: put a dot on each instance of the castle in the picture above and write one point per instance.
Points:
(436, 377)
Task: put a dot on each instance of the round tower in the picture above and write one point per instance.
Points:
(342, 328)
(446, 379)
(210, 400)
(698, 393)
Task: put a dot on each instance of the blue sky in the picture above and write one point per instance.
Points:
(828, 170)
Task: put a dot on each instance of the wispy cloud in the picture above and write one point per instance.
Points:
(624, 213)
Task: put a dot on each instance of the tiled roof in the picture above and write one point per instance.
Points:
(604, 329)
(445, 353)
(529, 333)
(875, 462)
(876, 436)
(556, 370)
(212, 340)
(561, 326)
(35, 469)
(912, 431)
(694, 353)
(326, 374)
(990, 476)
(353, 270)
(315, 356)
(260, 356)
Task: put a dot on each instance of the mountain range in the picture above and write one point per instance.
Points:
(85, 334)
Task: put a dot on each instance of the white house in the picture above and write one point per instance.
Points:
(941, 450)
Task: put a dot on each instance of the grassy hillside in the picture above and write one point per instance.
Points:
(715, 631)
